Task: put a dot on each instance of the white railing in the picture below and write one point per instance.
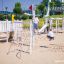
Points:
(5, 26)
(8, 26)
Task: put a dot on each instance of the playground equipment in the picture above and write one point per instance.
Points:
(59, 24)
(43, 28)
(4, 30)
(22, 37)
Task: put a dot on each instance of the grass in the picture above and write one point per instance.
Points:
(54, 22)
(41, 22)
(26, 23)
(56, 16)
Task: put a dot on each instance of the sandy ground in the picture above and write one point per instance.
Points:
(43, 52)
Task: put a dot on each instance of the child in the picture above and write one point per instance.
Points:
(50, 35)
(36, 21)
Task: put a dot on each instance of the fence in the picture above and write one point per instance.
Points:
(58, 23)
(25, 34)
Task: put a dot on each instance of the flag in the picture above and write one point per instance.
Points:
(13, 18)
(30, 7)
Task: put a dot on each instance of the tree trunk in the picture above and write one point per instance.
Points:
(11, 34)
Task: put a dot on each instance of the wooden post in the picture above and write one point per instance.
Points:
(56, 26)
(7, 30)
(31, 36)
(50, 23)
(63, 24)
(31, 30)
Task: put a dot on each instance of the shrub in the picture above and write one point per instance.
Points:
(2, 17)
(18, 17)
(54, 25)
(9, 17)
(24, 17)
(30, 17)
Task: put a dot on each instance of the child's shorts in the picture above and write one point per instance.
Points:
(35, 26)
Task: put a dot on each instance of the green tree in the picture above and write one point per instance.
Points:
(53, 4)
(58, 3)
(17, 8)
(37, 10)
(45, 2)
(42, 7)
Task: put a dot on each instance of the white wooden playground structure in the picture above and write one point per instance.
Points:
(51, 22)
(22, 37)
(26, 36)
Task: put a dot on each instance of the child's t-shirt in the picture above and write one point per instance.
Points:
(51, 34)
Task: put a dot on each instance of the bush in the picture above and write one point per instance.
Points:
(54, 25)
(41, 22)
(24, 17)
(18, 17)
(2, 17)
(9, 17)
(30, 17)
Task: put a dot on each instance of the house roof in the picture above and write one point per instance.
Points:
(5, 12)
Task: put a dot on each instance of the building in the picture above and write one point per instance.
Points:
(5, 12)
(57, 9)
(57, 0)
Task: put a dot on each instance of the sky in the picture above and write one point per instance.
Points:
(11, 3)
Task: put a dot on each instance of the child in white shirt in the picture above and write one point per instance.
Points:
(50, 35)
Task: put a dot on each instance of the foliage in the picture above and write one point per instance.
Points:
(26, 25)
(45, 2)
(2, 17)
(9, 17)
(17, 8)
(42, 7)
(58, 3)
(53, 4)
(24, 17)
(37, 11)
(18, 16)
(41, 22)
(30, 17)
(56, 16)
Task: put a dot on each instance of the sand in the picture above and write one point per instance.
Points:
(43, 52)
